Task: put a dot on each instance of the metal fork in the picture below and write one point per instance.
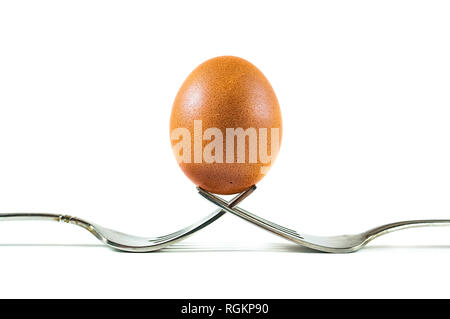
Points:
(331, 244)
(127, 242)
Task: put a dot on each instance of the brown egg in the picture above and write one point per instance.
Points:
(225, 125)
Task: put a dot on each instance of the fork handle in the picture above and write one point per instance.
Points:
(41, 216)
(46, 217)
(34, 216)
(389, 228)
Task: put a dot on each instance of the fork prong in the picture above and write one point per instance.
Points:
(240, 197)
(233, 202)
(243, 213)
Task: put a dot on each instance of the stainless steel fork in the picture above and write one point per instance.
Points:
(331, 244)
(127, 242)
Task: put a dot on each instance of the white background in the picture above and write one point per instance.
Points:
(86, 89)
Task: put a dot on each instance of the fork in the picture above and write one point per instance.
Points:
(330, 244)
(125, 242)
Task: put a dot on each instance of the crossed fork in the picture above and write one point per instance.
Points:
(130, 243)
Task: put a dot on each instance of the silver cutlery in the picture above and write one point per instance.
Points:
(130, 243)
(127, 242)
(330, 244)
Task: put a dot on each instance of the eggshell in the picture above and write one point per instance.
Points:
(226, 92)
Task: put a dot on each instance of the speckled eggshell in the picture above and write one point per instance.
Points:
(226, 92)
